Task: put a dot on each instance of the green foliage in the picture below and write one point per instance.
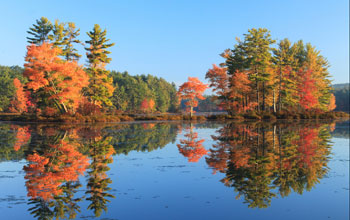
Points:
(341, 93)
(263, 160)
(40, 31)
(290, 76)
(64, 35)
(100, 87)
(130, 91)
(7, 88)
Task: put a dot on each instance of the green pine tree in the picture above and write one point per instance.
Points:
(40, 31)
(101, 84)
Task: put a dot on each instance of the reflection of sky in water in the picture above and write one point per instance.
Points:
(162, 184)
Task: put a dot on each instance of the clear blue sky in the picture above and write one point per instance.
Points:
(181, 38)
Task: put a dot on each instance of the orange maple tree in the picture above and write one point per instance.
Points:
(331, 105)
(61, 80)
(19, 103)
(240, 88)
(151, 104)
(191, 91)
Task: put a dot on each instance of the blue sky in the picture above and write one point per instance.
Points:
(181, 38)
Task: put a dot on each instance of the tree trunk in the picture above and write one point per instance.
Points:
(274, 101)
(191, 112)
(257, 94)
(64, 108)
(280, 90)
(263, 104)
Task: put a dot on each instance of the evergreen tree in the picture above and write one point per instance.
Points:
(257, 49)
(71, 33)
(40, 31)
(100, 88)
(58, 35)
(284, 59)
(63, 36)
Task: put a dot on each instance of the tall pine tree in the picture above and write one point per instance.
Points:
(101, 87)
(40, 31)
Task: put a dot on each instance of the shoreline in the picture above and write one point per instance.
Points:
(105, 118)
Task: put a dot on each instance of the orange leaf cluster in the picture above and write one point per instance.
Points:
(19, 104)
(191, 148)
(22, 137)
(61, 162)
(147, 105)
(191, 91)
(62, 80)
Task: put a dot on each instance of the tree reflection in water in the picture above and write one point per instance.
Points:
(52, 175)
(263, 160)
(260, 160)
(58, 155)
(190, 147)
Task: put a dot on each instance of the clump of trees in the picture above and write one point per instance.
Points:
(143, 93)
(258, 75)
(52, 82)
(55, 82)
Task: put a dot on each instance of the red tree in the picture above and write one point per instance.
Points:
(307, 89)
(191, 91)
(144, 105)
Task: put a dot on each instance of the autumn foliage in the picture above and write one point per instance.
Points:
(294, 77)
(263, 160)
(191, 91)
(22, 137)
(192, 148)
(21, 102)
(147, 105)
(62, 81)
(59, 163)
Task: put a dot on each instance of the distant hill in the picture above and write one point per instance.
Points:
(341, 93)
(341, 85)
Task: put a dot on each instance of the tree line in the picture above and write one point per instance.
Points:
(139, 92)
(341, 92)
(259, 75)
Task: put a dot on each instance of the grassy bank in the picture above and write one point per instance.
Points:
(171, 117)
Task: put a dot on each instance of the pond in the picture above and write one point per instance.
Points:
(209, 170)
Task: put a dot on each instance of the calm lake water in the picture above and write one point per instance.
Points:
(283, 170)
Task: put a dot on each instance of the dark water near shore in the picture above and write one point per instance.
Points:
(281, 170)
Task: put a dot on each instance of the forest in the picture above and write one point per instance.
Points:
(259, 78)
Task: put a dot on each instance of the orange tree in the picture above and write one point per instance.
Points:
(191, 91)
(60, 81)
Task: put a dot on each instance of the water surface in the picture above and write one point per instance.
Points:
(209, 170)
